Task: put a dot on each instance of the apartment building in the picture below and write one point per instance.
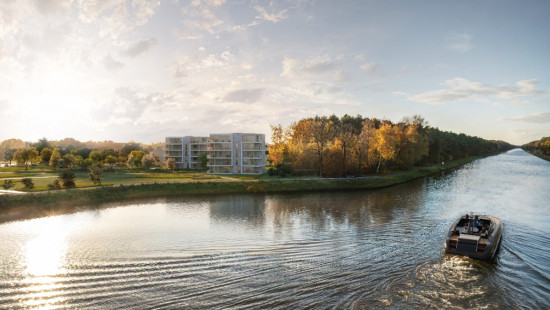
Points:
(231, 153)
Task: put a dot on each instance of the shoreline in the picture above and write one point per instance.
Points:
(119, 193)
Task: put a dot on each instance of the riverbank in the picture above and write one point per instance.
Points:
(545, 157)
(103, 194)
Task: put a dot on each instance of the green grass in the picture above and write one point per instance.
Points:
(119, 186)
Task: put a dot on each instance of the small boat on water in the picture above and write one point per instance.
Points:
(475, 236)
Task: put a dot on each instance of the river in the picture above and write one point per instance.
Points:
(357, 249)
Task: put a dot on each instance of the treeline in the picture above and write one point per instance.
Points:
(541, 146)
(355, 145)
(71, 153)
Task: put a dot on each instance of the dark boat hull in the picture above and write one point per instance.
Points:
(475, 236)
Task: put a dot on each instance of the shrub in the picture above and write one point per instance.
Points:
(29, 184)
(7, 184)
(55, 185)
(95, 174)
(67, 178)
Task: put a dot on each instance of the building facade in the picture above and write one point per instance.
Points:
(232, 153)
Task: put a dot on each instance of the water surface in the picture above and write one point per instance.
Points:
(358, 249)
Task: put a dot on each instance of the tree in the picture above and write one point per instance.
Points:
(95, 174)
(148, 161)
(134, 159)
(96, 155)
(45, 155)
(68, 179)
(54, 159)
(316, 133)
(111, 160)
(129, 148)
(202, 160)
(41, 144)
(29, 184)
(13, 145)
(8, 154)
(69, 160)
(386, 143)
(84, 164)
(26, 156)
(170, 164)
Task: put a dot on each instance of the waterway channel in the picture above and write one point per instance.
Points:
(356, 249)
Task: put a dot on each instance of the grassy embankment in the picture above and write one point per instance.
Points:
(125, 186)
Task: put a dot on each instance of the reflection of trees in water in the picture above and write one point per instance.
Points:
(352, 208)
(249, 209)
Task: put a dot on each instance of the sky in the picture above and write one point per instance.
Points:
(141, 70)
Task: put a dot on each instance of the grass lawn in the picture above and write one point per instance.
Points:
(42, 176)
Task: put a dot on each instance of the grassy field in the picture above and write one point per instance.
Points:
(43, 176)
(125, 185)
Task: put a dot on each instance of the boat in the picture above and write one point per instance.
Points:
(474, 235)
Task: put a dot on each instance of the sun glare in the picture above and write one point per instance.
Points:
(45, 253)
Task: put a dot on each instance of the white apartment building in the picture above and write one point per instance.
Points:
(230, 153)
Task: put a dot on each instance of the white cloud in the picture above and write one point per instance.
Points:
(459, 42)
(52, 6)
(317, 66)
(140, 47)
(463, 89)
(289, 67)
(270, 16)
(111, 64)
(536, 118)
(244, 95)
(90, 10)
(372, 69)
(145, 10)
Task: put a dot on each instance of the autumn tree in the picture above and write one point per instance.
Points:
(316, 133)
(26, 156)
(386, 143)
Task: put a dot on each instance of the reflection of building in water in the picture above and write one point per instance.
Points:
(247, 208)
(232, 153)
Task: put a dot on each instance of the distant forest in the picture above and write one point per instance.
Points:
(71, 153)
(539, 147)
(355, 145)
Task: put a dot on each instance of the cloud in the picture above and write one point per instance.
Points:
(145, 10)
(244, 95)
(318, 66)
(292, 67)
(52, 6)
(111, 64)
(536, 118)
(372, 69)
(459, 42)
(199, 16)
(90, 10)
(269, 16)
(462, 89)
(140, 47)
(289, 67)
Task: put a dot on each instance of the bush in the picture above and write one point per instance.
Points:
(67, 178)
(95, 174)
(7, 184)
(29, 184)
(55, 185)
